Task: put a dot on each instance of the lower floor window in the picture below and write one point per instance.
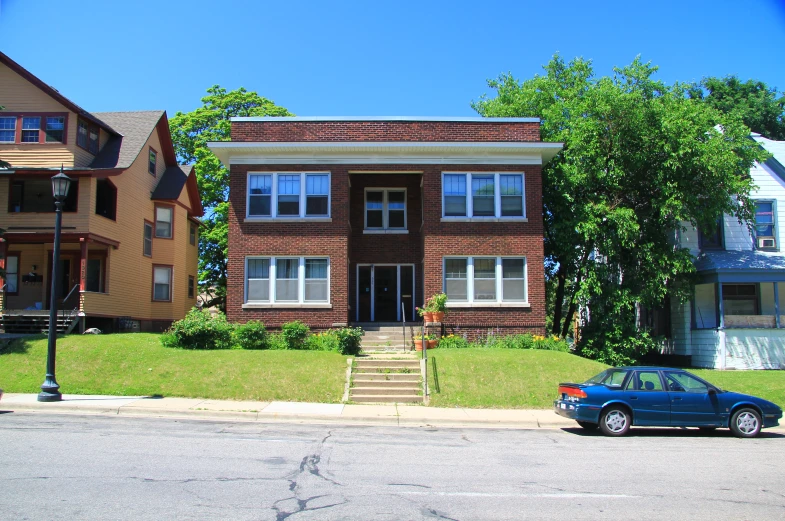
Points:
(485, 279)
(162, 283)
(740, 299)
(288, 280)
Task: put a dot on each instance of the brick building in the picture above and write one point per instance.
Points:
(354, 220)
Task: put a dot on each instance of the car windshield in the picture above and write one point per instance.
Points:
(609, 377)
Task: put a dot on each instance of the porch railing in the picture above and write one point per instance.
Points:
(2, 292)
(403, 317)
(64, 307)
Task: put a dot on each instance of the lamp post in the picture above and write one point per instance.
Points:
(50, 390)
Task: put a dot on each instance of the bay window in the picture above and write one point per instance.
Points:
(483, 195)
(295, 281)
(485, 280)
(288, 195)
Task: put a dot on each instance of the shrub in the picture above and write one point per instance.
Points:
(276, 341)
(349, 339)
(199, 330)
(551, 343)
(251, 335)
(617, 346)
(295, 333)
(453, 342)
(326, 341)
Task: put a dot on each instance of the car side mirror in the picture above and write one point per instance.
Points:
(712, 390)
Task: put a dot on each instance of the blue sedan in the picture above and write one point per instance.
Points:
(622, 397)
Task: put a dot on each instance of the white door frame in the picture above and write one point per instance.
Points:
(373, 290)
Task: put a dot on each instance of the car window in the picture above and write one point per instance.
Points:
(648, 380)
(610, 377)
(683, 382)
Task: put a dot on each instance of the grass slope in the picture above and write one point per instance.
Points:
(518, 379)
(136, 364)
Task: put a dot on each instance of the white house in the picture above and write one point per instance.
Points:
(736, 319)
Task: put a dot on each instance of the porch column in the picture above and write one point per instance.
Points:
(83, 265)
(777, 305)
(720, 306)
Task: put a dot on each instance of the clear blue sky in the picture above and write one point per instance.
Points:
(399, 58)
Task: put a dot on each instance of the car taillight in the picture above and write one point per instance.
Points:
(572, 392)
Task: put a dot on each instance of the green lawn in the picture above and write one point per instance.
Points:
(501, 378)
(137, 364)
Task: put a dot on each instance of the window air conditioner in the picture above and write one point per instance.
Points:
(766, 242)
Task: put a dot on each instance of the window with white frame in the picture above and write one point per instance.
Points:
(287, 280)
(483, 195)
(288, 195)
(385, 209)
(162, 283)
(482, 280)
(765, 225)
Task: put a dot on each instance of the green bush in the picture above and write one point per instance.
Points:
(276, 341)
(349, 339)
(453, 342)
(295, 333)
(251, 335)
(617, 346)
(551, 343)
(326, 341)
(199, 330)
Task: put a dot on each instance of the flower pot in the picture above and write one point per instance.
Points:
(427, 316)
(432, 343)
(418, 345)
(438, 316)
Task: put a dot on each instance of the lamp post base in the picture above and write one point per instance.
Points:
(50, 391)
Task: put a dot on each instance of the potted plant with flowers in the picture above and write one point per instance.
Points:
(425, 313)
(437, 305)
(429, 341)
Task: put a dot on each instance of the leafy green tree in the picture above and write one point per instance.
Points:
(639, 160)
(760, 107)
(191, 132)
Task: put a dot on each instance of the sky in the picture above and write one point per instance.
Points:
(372, 58)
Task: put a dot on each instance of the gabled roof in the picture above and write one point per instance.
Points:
(134, 129)
(52, 92)
(777, 150)
(171, 186)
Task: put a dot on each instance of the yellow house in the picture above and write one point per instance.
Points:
(129, 249)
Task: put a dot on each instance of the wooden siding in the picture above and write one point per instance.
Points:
(19, 95)
(705, 306)
(756, 349)
(73, 222)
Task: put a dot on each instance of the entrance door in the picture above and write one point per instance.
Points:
(69, 276)
(385, 293)
(364, 295)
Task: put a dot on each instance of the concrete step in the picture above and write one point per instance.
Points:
(386, 399)
(397, 364)
(386, 377)
(411, 385)
(385, 391)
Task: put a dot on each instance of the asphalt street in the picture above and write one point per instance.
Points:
(102, 467)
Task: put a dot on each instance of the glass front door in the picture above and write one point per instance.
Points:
(381, 289)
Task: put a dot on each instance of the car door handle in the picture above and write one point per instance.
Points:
(677, 399)
(633, 397)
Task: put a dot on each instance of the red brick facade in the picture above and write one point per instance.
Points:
(428, 239)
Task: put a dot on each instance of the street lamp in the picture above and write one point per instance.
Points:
(50, 390)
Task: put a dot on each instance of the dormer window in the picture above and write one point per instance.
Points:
(765, 226)
(87, 136)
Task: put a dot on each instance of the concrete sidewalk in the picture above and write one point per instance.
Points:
(383, 414)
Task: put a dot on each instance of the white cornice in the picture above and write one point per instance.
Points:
(474, 119)
(493, 153)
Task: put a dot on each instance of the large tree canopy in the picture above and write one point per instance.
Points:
(760, 107)
(639, 159)
(190, 134)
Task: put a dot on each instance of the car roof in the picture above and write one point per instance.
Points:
(646, 368)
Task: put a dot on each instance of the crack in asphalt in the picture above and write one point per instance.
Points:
(430, 512)
(308, 465)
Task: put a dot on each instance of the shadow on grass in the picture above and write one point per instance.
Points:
(17, 345)
(676, 432)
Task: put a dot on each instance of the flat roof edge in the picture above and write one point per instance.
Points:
(386, 118)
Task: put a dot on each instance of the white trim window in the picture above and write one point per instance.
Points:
(385, 209)
(286, 195)
(766, 225)
(287, 280)
(481, 280)
(483, 195)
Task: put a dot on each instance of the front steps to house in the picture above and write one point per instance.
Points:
(387, 337)
(386, 378)
(34, 323)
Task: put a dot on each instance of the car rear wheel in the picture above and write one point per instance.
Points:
(745, 423)
(588, 426)
(615, 421)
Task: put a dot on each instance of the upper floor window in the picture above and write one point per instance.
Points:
(483, 195)
(7, 129)
(151, 161)
(765, 226)
(35, 195)
(192, 235)
(712, 238)
(191, 285)
(287, 280)
(33, 128)
(87, 136)
(147, 240)
(385, 209)
(106, 199)
(164, 216)
(288, 195)
(485, 279)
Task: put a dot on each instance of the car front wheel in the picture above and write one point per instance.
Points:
(615, 421)
(745, 423)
